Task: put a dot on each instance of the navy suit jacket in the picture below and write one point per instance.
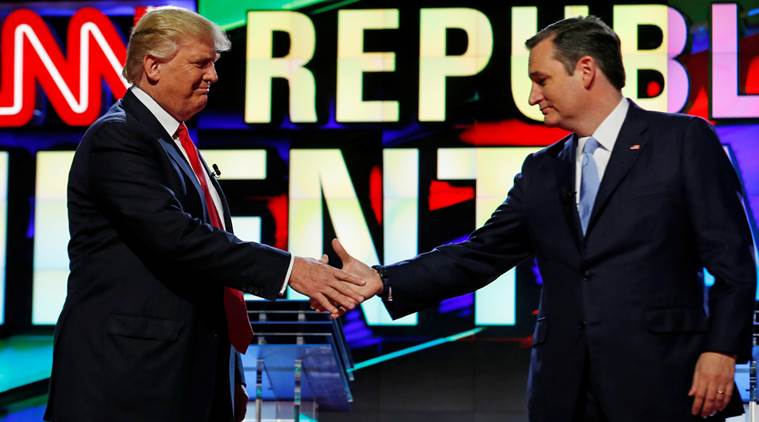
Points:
(630, 293)
(143, 322)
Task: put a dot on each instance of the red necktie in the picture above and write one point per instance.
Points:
(238, 325)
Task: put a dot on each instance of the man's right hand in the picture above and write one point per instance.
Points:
(357, 268)
(327, 286)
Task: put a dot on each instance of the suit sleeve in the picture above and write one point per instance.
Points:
(126, 176)
(452, 270)
(716, 210)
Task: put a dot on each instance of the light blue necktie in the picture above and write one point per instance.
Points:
(588, 183)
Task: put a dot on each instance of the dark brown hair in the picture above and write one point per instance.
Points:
(574, 38)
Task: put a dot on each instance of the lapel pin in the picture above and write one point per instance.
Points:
(634, 147)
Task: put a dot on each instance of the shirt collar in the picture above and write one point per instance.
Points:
(607, 132)
(169, 123)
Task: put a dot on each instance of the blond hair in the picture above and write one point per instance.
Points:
(161, 29)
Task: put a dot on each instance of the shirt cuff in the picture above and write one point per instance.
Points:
(287, 276)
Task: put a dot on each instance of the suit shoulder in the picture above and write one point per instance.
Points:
(116, 115)
(553, 150)
(675, 121)
(114, 127)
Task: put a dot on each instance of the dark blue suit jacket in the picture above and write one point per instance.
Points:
(143, 322)
(629, 293)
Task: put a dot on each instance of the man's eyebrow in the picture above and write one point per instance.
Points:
(537, 74)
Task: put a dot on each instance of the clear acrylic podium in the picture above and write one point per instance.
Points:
(753, 403)
(297, 364)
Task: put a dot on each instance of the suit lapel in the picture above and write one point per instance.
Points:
(224, 204)
(146, 118)
(565, 180)
(630, 143)
(173, 152)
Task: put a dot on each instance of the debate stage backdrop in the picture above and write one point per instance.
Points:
(395, 126)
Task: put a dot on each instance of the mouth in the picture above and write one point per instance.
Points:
(545, 109)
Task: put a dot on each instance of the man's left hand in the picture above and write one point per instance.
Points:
(712, 385)
(241, 402)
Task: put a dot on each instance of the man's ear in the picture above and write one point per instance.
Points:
(587, 68)
(151, 67)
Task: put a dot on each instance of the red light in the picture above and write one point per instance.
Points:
(443, 194)
(653, 89)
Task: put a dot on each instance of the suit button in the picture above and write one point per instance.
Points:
(581, 325)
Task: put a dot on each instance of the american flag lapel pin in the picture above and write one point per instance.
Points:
(634, 147)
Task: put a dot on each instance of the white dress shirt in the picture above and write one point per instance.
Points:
(606, 134)
(170, 124)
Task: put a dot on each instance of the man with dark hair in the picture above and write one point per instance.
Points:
(585, 36)
(154, 319)
(622, 216)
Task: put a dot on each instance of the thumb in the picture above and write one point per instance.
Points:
(693, 385)
(340, 251)
(324, 259)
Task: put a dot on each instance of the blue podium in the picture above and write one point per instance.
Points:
(297, 364)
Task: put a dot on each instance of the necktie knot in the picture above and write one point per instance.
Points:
(591, 145)
(182, 132)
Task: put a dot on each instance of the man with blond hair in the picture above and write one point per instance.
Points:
(154, 320)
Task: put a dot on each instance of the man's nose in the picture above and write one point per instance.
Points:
(211, 75)
(536, 95)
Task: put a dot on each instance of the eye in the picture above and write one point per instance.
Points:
(202, 64)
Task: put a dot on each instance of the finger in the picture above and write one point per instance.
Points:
(350, 278)
(315, 305)
(325, 303)
(724, 399)
(710, 407)
(698, 399)
(698, 402)
(698, 392)
(710, 401)
(347, 290)
(340, 312)
(340, 251)
(340, 299)
(324, 259)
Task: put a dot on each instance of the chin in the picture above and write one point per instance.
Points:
(200, 105)
(550, 120)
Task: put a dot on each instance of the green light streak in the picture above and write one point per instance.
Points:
(232, 25)
(413, 349)
(232, 16)
(334, 6)
(297, 4)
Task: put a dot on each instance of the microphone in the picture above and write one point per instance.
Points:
(216, 170)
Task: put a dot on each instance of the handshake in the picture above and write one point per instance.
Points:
(331, 289)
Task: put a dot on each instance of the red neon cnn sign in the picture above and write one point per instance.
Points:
(30, 53)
